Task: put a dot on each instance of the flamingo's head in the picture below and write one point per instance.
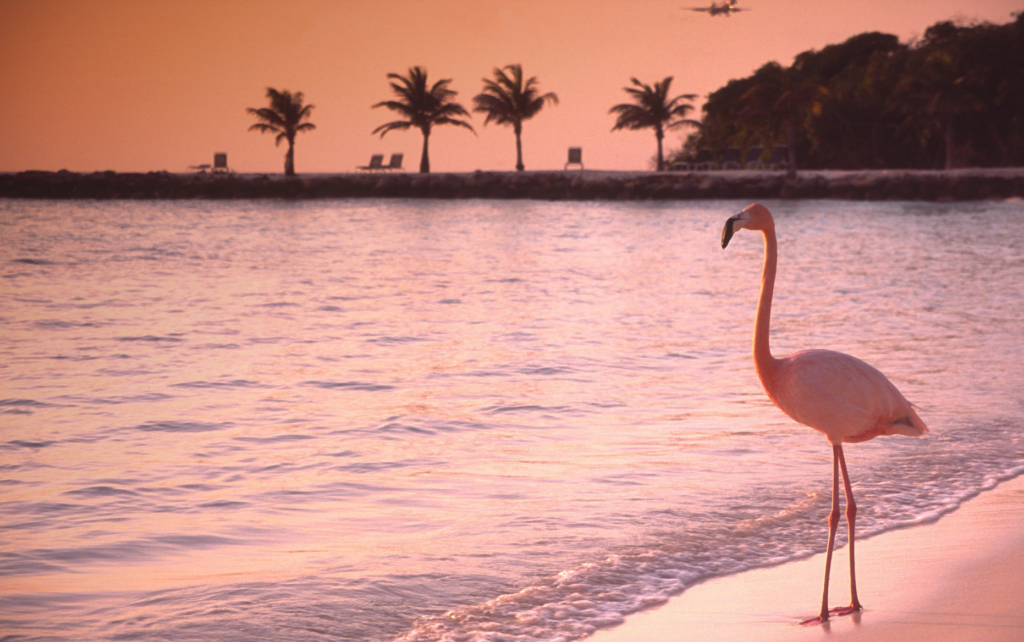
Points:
(753, 217)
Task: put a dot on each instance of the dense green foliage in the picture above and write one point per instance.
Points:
(953, 99)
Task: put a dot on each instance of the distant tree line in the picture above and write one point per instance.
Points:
(507, 99)
(953, 99)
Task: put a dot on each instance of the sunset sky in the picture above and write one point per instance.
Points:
(163, 84)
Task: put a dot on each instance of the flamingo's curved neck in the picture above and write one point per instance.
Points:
(763, 361)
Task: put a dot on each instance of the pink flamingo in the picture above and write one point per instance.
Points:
(836, 394)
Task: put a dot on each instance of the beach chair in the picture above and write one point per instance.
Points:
(780, 158)
(220, 163)
(575, 157)
(731, 158)
(396, 162)
(704, 161)
(376, 162)
(754, 158)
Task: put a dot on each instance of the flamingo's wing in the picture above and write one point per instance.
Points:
(842, 397)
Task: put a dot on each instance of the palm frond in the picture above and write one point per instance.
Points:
(394, 125)
(497, 108)
(264, 128)
(651, 107)
(453, 121)
(268, 116)
(508, 100)
(632, 117)
(395, 105)
(284, 116)
(419, 105)
(451, 109)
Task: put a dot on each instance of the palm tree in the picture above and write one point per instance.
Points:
(422, 107)
(284, 117)
(508, 101)
(654, 109)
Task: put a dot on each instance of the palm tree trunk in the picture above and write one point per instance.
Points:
(661, 157)
(289, 159)
(425, 157)
(519, 148)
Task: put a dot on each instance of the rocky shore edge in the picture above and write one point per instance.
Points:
(903, 185)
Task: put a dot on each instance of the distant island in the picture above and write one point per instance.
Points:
(870, 118)
(954, 98)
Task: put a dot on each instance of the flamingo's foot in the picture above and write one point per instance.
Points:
(813, 621)
(846, 610)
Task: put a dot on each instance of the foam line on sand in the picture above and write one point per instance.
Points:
(960, 578)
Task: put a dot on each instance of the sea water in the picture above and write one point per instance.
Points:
(473, 420)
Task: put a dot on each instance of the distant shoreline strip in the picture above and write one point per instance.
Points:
(894, 185)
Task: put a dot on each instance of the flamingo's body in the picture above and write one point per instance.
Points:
(838, 395)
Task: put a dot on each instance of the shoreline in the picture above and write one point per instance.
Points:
(958, 578)
(969, 184)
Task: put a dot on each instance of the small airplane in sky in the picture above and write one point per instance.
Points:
(725, 9)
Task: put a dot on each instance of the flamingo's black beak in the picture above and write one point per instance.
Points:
(727, 231)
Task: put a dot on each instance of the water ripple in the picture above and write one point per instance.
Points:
(349, 385)
(182, 426)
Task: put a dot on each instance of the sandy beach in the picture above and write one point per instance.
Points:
(960, 578)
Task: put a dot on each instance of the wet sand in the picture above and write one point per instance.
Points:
(960, 578)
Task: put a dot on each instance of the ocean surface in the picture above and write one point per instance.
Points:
(468, 421)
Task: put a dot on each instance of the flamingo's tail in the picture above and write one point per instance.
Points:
(907, 423)
(910, 425)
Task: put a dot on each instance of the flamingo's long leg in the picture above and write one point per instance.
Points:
(833, 524)
(851, 517)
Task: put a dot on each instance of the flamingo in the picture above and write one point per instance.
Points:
(838, 395)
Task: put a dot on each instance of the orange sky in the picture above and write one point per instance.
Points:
(150, 85)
